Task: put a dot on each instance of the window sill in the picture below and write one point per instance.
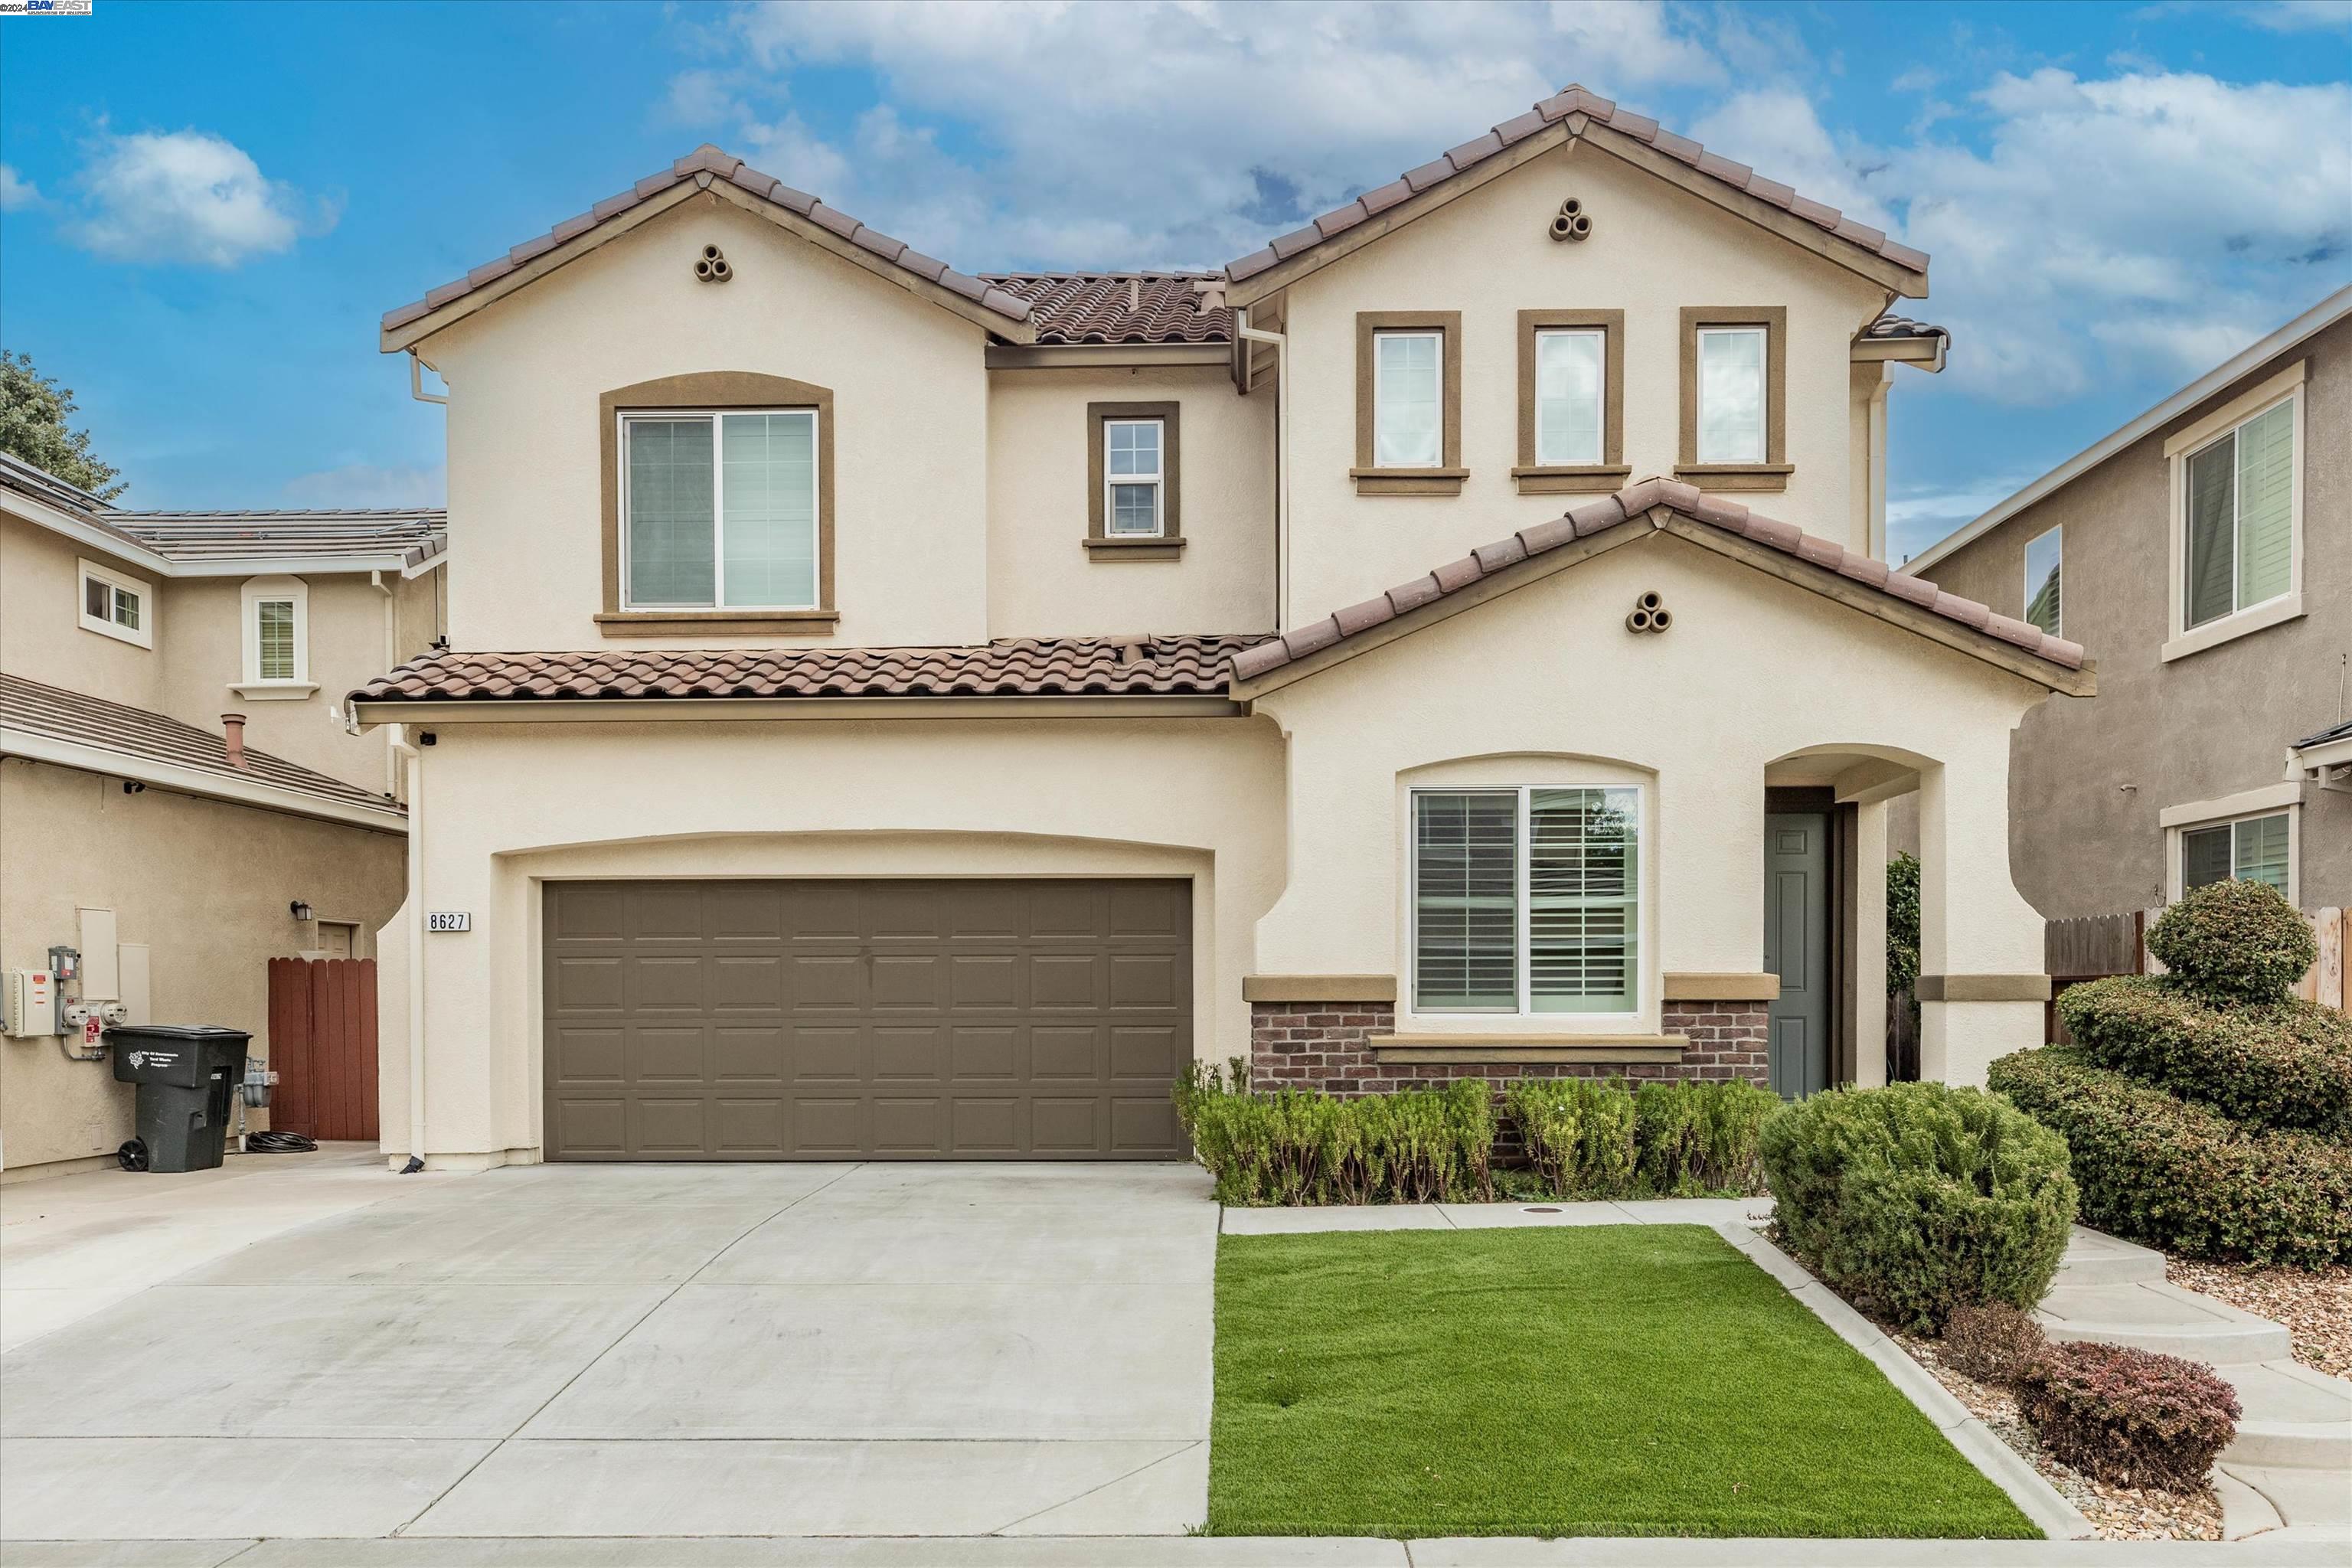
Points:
(275, 690)
(1727, 477)
(1408, 481)
(1571, 480)
(663, 623)
(1136, 547)
(1502, 1047)
(120, 634)
(2230, 628)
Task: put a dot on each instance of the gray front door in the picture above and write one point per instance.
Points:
(1797, 946)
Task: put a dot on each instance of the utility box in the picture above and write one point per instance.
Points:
(186, 1080)
(30, 1004)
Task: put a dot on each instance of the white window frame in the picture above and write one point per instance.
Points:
(718, 505)
(1762, 332)
(1157, 480)
(1522, 849)
(2025, 604)
(1436, 335)
(2225, 812)
(1600, 335)
(141, 635)
(2181, 639)
(256, 593)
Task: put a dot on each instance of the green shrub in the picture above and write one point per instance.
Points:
(2176, 1175)
(1579, 1134)
(1995, 1343)
(2130, 1417)
(1902, 923)
(1919, 1197)
(1695, 1138)
(1297, 1146)
(2274, 1064)
(2237, 941)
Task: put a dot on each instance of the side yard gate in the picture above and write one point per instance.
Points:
(322, 1044)
(2095, 946)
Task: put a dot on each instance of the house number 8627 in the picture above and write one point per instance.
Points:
(449, 919)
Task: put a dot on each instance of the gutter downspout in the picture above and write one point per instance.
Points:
(401, 748)
(1247, 333)
(390, 661)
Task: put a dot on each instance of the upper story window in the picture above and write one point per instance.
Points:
(2237, 550)
(1526, 900)
(720, 508)
(1408, 403)
(1735, 386)
(2253, 849)
(2044, 599)
(1133, 469)
(275, 613)
(1571, 401)
(1570, 376)
(117, 606)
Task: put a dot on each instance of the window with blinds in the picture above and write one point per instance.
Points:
(2253, 849)
(720, 508)
(274, 639)
(2240, 499)
(1527, 900)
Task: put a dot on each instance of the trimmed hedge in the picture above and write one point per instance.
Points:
(1297, 1147)
(1918, 1198)
(2130, 1417)
(2177, 1174)
(2234, 942)
(1695, 1138)
(2274, 1064)
(1579, 1135)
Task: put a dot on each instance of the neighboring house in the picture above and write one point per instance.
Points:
(176, 772)
(899, 713)
(2204, 553)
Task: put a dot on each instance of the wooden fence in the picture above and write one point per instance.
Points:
(322, 1045)
(2097, 946)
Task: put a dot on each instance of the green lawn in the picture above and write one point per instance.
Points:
(1605, 1380)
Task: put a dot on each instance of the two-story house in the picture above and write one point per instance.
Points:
(896, 713)
(2204, 551)
(182, 797)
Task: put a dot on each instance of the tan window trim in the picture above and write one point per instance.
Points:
(1168, 544)
(714, 389)
(1574, 478)
(1772, 473)
(1446, 480)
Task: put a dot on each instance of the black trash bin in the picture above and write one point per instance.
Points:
(186, 1077)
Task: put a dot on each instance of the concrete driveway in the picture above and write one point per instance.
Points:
(618, 1350)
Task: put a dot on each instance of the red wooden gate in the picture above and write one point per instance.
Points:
(322, 1045)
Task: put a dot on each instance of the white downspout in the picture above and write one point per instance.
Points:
(1248, 333)
(391, 661)
(415, 760)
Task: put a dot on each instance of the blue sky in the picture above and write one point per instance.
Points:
(204, 208)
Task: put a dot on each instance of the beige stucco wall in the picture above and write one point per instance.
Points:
(1546, 686)
(503, 810)
(910, 438)
(1043, 581)
(206, 885)
(2092, 776)
(1653, 250)
(41, 634)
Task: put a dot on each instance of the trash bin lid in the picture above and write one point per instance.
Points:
(184, 1034)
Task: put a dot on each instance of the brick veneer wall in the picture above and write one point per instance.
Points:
(1327, 1045)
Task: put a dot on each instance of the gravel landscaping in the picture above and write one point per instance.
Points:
(2316, 1304)
(2119, 1513)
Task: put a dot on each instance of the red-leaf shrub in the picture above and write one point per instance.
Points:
(1993, 1343)
(2130, 1417)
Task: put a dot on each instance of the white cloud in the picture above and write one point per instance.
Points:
(16, 191)
(367, 484)
(2301, 15)
(187, 196)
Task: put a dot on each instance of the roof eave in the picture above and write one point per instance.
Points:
(183, 778)
(370, 711)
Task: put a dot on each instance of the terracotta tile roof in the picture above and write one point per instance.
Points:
(1020, 666)
(708, 159)
(1120, 307)
(1608, 513)
(1575, 99)
(64, 715)
(416, 534)
(1890, 325)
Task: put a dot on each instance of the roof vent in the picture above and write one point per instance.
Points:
(712, 266)
(1572, 221)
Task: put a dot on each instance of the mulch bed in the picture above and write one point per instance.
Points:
(2316, 1304)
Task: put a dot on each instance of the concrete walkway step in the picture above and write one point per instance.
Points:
(2095, 1258)
(2154, 1316)
(2293, 1416)
(2288, 1503)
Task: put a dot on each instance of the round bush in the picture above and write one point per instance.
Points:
(2130, 1417)
(1993, 1345)
(2234, 942)
(1917, 1198)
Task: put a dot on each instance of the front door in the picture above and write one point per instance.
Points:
(1797, 947)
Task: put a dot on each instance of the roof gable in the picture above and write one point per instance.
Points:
(708, 169)
(1577, 115)
(1779, 549)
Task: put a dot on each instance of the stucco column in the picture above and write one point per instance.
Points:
(1870, 945)
(1979, 941)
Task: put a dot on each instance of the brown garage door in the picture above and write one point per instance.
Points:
(842, 1020)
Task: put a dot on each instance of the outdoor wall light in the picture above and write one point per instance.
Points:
(298, 909)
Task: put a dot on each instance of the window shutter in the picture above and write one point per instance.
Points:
(1583, 908)
(1466, 910)
(2265, 505)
